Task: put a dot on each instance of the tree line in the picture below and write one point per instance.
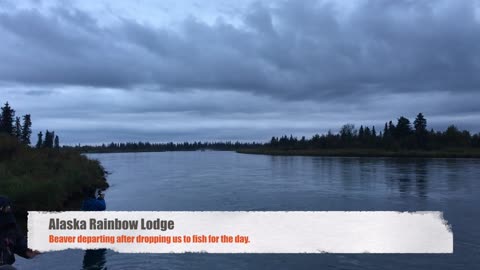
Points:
(400, 136)
(13, 126)
(162, 147)
(21, 129)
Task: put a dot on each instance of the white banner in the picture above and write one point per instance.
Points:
(242, 232)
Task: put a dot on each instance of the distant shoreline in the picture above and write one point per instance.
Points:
(153, 151)
(452, 153)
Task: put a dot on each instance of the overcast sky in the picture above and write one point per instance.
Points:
(101, 71)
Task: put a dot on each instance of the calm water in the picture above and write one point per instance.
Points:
(230, 181)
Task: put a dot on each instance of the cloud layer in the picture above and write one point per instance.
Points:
(290, 59)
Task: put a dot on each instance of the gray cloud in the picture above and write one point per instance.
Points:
(121, 115)
(296, 49)
(278, 67)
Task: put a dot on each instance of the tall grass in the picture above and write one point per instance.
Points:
(45, 179)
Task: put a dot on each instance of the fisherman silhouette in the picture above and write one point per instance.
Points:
(94, 259)
(11, 240)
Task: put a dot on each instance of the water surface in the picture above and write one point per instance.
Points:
(227, 181)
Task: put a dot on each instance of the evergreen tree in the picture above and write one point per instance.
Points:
(386, 132)
(420, 123)
(391, 128)
(57, 142)
(39, 140)
(347, 132)
(453, 136)
(6, 119)
(49, 139)
(403, 128)
(274, 141)
(367, 133)
(421, 133)
(26, 129)
(361, 133)
(17, 129)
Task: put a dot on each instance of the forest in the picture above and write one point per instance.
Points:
(402, 135)
(43, 176)
(402, 138)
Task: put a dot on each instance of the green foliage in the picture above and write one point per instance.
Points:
(45, 179)
(41, 178)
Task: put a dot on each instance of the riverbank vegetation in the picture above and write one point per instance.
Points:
(44, 177)
(395, 140)
(400, 139)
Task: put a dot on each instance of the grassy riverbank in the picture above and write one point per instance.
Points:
(45, 179)
(446, 153)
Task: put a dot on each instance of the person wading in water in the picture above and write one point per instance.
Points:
(92, 202)
(94, 259)
(11, 240)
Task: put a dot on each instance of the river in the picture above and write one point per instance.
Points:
(227, 181)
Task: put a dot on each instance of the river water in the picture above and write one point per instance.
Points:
(210, 180)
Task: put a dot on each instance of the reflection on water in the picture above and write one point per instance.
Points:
(180, 181)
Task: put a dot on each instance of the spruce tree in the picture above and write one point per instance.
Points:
(39, 140)
(49, 138)
(57, 142)
(421, 132)
(6, 119)
(367, 133)
(26, 129)
(403, 128)
(360, 133)
(385, 130)
(17, 129)
(391, 128)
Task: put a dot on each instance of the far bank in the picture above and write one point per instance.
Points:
(447, 153)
